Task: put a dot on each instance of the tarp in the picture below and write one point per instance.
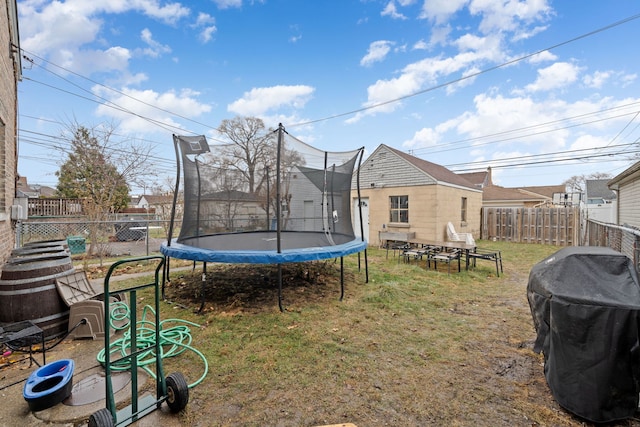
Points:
(585, 303)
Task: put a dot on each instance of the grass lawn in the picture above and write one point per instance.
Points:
(412, 347)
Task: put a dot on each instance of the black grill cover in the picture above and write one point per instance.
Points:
(585, 303)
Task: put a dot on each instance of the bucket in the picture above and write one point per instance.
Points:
(28, 292)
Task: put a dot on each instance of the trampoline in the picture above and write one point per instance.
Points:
(289, 203)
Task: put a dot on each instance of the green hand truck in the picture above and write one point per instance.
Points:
(172, 389)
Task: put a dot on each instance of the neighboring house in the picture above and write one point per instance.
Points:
(627, 187)
(161, 205)
(232, 211)
(404, 194)
(479, 179)
(10, 74)
(513, 197)
(23, 189)
(601, 201)
(495, 196)
(555, 193)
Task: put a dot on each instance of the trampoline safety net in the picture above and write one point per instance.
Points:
(247, 196)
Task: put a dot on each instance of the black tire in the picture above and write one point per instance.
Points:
(101, 418)
(177, 392)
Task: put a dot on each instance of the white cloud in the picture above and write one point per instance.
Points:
(597, 79)
(142, 102)
(259, 101)
(415, 77)
(377, 52)
(589, 141)
(558, 75)
(62, 32)
(420, 45)
(207, 34)
(391, 11)
(206, 24)
(228, 4)
(627, 79)
(526, 33)
(154, 48)
(297, 35)
(543, 56)
(439, 11)
(425, 137)
(508, 15)
(90, 61)
(440, 35)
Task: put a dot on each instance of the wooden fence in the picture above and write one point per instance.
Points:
(548, 226)
(54, 207)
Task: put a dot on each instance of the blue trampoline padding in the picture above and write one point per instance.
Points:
(245, 256)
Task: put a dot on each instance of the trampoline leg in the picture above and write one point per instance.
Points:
(366, 266)
(341, 278)
(202, 292)
(280, 287)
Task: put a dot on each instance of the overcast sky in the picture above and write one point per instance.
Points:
(538, 90)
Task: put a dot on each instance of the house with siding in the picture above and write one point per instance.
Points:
(496, 196)
(601, 203)
(10, 74)
(160, 205)
(403, 194)
(232, 210)
(627, 187)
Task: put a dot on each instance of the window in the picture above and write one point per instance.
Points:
(399, 209)
(463, 210)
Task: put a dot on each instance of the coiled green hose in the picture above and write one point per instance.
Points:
(173, 341)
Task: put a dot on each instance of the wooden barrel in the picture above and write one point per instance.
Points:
(27, 251)
(42, 244)
(28, 292)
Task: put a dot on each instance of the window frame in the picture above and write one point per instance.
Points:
(399, 205)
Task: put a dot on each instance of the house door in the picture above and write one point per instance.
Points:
(364, 202)
(308, 216)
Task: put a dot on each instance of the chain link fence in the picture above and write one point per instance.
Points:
(114, 237)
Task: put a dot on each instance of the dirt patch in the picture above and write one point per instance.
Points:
(254, 289)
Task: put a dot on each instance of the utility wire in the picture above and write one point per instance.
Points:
(165, 126)
(472, 75)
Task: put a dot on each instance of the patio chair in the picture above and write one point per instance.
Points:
(452, 236)
(444, 256)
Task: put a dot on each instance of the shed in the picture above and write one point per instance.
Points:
(404, 194)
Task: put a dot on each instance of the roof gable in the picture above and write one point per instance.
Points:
(628, 175)
(438, 173)
(495, 193)
(544, 190)
(597, 188)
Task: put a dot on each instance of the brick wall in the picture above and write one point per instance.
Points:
(8, 96)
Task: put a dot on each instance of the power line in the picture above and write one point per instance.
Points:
(530, 127)
(112, 90)
(165, 126)
(472, 75)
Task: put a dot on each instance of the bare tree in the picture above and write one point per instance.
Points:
(577, 183)
(252, 148)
